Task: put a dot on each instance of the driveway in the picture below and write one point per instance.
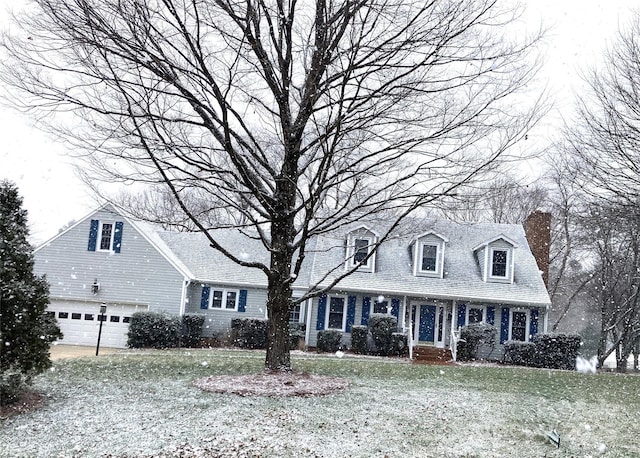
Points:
(61, 351)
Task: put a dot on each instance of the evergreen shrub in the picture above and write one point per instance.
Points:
(191, 330)
(249, 333)
(296, 334)
(556, 351)
(399, 344)
(472, 336)
(329, 341)
(382, 328)
(519, 353)
(359, 339)
(154, 330)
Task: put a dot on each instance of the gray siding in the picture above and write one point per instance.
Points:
(139, 274)
(218, 322)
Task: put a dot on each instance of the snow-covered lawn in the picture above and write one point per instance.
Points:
(144, 404)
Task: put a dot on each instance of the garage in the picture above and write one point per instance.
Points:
(80, 322)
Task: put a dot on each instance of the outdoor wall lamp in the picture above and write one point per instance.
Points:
(95, 287)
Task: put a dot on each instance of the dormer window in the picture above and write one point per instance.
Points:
(429, 255)
(496, 259)
(360, 246)
(361, 250)
(106, 236)
(499, 263)
(429, 258)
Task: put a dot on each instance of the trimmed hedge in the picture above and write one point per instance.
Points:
(249, 333)
(153, 330)
(359, 339)
(160, 330)
(551, 351)
(328, 341)
(382, 328)
(399, 344)
(472, 336)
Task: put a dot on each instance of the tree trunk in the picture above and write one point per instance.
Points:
(279, 299)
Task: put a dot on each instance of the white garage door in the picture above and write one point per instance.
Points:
(80, 323)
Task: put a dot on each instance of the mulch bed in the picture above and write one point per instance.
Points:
(29, 401)
(278, 384)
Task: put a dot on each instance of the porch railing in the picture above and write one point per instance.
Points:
(455, 338)
(408, 329)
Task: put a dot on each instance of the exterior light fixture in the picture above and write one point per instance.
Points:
(95, 287)
(101, 318)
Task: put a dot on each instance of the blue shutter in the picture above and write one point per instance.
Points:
(491, 315)
(322, 310)
(93, 235)
(462, 312)
(204, 300)
(351, 312)
(242, 301)
(395, 308)
(504, 325)
(533, 326)
(117, 237)
(366, 308)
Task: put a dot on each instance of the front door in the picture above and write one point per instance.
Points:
(424, 322)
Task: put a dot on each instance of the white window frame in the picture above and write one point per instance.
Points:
(438, 247)
(99, 236)
(509, 264)
(479, 307)
(300, 312)
(527, 313)
(374, 302)
(352, 257)
(344, 313)
(223, 305)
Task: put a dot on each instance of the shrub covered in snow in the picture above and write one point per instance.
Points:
(359, 339)
(399, 344)
(191, 330)
(153, 330)
(556, 351)
(519, 353)
(382, 328)
(472, 336)
(249, 333)
(329, 341)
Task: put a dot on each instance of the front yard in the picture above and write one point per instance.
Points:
(144, 404)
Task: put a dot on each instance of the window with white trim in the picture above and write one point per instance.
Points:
(499, 263)
(105, 234)
(519, 326)
(361, 247)
(475, 314)
(429, 258)
(380, 307)
(224, 299)
(336, 313)
(294, 313)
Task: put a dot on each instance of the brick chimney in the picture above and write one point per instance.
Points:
(537, 228)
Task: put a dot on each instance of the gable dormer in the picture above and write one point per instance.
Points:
(360, 243)
(428, 255)
(496, 258)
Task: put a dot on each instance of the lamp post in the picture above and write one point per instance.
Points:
(103, 310)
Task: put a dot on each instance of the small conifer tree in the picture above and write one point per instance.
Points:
(25, 331)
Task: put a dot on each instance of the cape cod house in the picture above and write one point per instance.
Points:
(434, 276)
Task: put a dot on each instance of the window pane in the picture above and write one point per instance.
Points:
(231, 300)
(63, 314)
(476, 315)
(102, 318)
(76, 316)
(126, 319)
(380, 307)
(114, 319)
(519, 326)
(429, 253)
(336, 309)
(105, 236)
(88, 316)
(361, 250)
(294, 314)
(216, 301)
(499, 265)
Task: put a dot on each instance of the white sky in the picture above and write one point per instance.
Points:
(54, 196)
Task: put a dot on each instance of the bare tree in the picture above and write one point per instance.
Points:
(295, 117)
